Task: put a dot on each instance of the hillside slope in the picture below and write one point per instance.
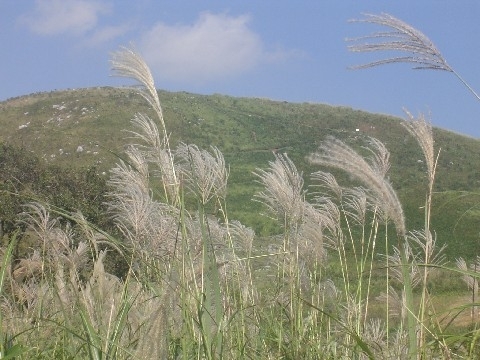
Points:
(85, 127)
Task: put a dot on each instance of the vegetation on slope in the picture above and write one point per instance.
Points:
(85, 127)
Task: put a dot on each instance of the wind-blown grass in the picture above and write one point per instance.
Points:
(403, 38)
(197, 287)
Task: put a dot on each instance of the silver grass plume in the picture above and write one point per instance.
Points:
(147, 132)
(426, 243)
(133, 173)
(30, 267)
(30, 298)
(312, 235)
(205, 173)
(92, 235)
(421, 130)
(242, 236)
(470, 280)
(325, 207)
(380, 156)
(103, 301)
(101, 291)
(55, 242)
(375, 336)
(148, 225)
(127, 63)
(155, 151)
(330, 291)
(351, 310)
(78, 258)
(395, 301)
(417, 48)
(328, 220)
(356, 204)
(38, 218)
(335, 153)
(284, 193)
(155, 330)
(130, 198)
(329, 212)
(328, 182)
(60, 252)
(421, 52)
(398, 349)
(395, 264)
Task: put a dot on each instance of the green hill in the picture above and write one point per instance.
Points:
(84, 127)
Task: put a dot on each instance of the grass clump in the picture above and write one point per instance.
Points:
(344, 277)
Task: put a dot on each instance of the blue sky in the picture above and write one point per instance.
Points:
(282, 50)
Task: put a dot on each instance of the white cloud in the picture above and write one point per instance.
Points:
(108, 33)
(215, 46)
(50, 17)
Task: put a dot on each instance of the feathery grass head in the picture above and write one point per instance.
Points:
(335, 153)
(396, 264)
(420, 50)
(423, 242)
(146, 223)
(134, 173)
(147, 132)
(470, 281)
(243, 235)
(153, 150)
(38, 217)
(128, 63)
(311, 239)
(375, 334)
(421, 130)
(206, 174)
(328, 182)
(356, 204)
(29, 267)
(380, 156)
(327, 212)
(402, 38)
(395, 301)
(284, 193)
